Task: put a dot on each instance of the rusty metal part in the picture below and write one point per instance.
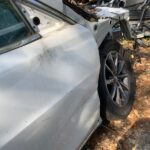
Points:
(88, 14)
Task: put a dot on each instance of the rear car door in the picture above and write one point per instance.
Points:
(48, 80)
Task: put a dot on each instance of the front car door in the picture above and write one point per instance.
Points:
(48, 80)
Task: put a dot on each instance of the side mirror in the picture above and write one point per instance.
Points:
(36, 21)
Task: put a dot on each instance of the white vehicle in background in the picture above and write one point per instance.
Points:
(61, 73)
(139, 14)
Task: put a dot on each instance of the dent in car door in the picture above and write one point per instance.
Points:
(48, 92)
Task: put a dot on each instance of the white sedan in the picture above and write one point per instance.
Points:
(60, 75)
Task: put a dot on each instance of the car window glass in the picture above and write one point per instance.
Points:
(46, 21)
(12, 28)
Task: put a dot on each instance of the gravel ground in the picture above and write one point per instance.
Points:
(132, 133)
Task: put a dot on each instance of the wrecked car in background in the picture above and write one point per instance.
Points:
(139, 18)
(61, 73)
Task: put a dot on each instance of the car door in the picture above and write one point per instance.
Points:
(48, 80)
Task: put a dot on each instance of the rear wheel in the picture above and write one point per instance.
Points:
(116, 83)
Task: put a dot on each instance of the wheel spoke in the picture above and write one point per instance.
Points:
(116, 60)
(118, 99)
(124, 86)
(108, 68)
(122, 76)
(112, 63)
(122, 92)
(110, 81)
(121, 65)
(114, 90)
(111, 58)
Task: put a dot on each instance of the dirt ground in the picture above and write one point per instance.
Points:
(132, 133)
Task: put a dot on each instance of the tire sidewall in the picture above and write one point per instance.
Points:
(113, 111)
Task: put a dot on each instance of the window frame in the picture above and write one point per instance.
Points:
(35, 36)
(46, 8)
(22, 42)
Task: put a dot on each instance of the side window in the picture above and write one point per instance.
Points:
(12, 28)
(41, 21)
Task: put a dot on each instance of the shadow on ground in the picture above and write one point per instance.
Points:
(137, 137)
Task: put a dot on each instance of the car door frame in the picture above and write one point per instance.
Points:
(35, 36)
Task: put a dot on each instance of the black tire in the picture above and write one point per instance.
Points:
(116, 86)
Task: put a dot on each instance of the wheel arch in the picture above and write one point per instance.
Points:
(106, 40)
